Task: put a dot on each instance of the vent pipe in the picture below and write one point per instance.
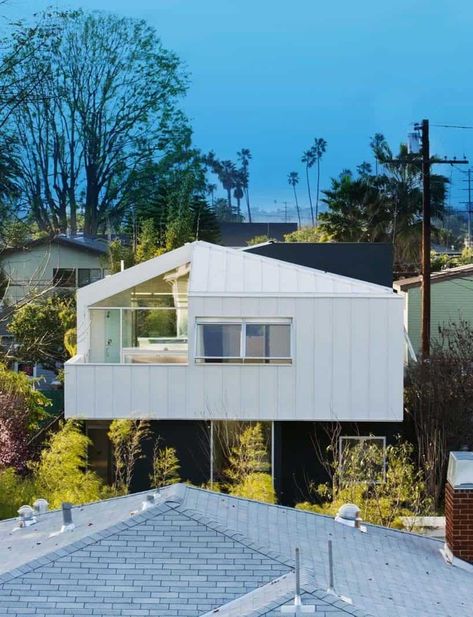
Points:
(67, 523)
(148, 502)
(297, 608)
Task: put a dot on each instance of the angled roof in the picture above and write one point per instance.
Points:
(195, 551)
(218, 270)
(436, 277)
(97, 246)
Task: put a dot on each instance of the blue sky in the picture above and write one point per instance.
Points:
(271, 75)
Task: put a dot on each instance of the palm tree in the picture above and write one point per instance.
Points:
(293, 179)
(211, 188)
(318, 149)
(239, 183)
(244, 156)
(309, 159)
(226, 174)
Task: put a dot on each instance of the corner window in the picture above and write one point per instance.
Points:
(244, 342)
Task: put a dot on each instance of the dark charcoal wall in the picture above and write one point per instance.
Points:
(295, 459)
(366, 261)
(296, 462)
(191, 440)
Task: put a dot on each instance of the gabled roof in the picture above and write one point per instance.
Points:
(96, 246)
(219, 271)
(436, 277)
(196, 551)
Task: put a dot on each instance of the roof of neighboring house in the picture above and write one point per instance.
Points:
(436, 277)
(97, 246)
(239, 234)
(366, 261)
(198, 553)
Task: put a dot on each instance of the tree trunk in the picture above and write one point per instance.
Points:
(297, 205)
(310, 195)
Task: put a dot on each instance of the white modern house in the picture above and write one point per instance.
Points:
(207, 334)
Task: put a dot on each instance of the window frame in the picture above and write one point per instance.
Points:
(57, 281)
(89, 270)
(362, 438)
(243, 359)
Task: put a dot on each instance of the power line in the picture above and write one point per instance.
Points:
(452, 126)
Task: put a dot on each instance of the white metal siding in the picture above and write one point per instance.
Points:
(348, 365)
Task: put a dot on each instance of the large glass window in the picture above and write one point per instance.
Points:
(247, 341)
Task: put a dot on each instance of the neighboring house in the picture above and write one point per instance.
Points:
(451, 301)
(187, 552)
(60, 262)
(239, 234)
(205, 335)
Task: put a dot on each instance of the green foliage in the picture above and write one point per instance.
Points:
(384, 206)
(39, 328)
(15, 491)
(70, 341)
(126, 437)
(118, 252)
(107, 100)
(308, 234)
(165, 466)
(22, 408)
(443, 262)
(61, 472)
(257, 486)
(384, 485)
(249, 456)
(258, 240)
(147, 245)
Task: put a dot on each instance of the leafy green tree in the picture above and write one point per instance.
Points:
(257, 486)
(309, 234)
(166, 466)
(126, 437)
(15, 491)
(107, 102)
(22, 408)
(147, 245)
(39, 328)
(61, 473)
(248, 456)
(386, 486)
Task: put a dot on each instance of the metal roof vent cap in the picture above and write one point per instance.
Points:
(349, 515)
(148, 502)
(26, 516)
(40, 506)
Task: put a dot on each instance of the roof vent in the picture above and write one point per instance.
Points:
(26, 516)
(148, 502)
(67, 524)
(349, 515)
(40, 506)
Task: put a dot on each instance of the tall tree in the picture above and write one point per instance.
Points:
(293, 179)
(244, 156)
(107, 103)
(319, 148)
(308, 158)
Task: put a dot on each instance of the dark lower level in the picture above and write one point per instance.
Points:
(297, 451)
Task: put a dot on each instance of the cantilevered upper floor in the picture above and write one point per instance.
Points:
(208, 332)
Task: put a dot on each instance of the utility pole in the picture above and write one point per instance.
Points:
(427, 163)
(426, 239)
(469, 206)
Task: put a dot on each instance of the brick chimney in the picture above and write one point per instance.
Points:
(459, 506)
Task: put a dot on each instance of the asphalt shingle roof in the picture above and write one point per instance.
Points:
(198, 551)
